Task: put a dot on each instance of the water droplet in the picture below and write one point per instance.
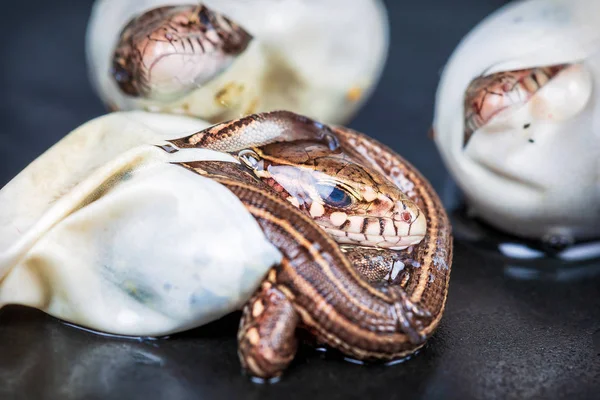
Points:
(520, 251)
(354, 361)
(397, 361)
(263, 381)
(113, 335)
(558, 259)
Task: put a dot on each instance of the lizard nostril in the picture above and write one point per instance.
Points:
(406, 217)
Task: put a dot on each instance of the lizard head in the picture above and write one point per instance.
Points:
(353, 203)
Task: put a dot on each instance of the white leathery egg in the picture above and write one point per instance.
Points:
(532, 169)
(106, 231)
(321, 58)
(565, 96)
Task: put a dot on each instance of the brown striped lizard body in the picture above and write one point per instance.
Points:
(334, 290)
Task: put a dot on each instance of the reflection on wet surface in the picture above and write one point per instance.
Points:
(528, 259)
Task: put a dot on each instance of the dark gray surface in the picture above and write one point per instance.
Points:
(500, 337)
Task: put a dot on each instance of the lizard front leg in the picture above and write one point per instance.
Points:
(380, 265)
(267, 334)
(389, 271)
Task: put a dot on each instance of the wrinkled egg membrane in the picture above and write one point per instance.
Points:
(316, 58)
(533, 170)
(103, 231)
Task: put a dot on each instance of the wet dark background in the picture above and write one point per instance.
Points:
(534, 333)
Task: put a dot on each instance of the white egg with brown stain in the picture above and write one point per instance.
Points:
(106, 231)
(321, 58)
(528, 161)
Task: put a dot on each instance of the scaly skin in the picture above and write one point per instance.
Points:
(489, 95)
(193, 40)
(316, 287)
(354, 204)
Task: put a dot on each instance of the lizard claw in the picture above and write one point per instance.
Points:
(414, 308)
(409, 315)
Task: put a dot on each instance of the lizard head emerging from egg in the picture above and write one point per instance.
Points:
(516, 120)
(354, 204)
(169, 51)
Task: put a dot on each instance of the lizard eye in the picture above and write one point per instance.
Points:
(249, 158)
(334, 196)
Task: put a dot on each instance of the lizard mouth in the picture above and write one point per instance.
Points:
(384, 242)
(392, 234)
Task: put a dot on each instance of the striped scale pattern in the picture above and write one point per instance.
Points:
(316, 287)
(185, 31)
(489, 95)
